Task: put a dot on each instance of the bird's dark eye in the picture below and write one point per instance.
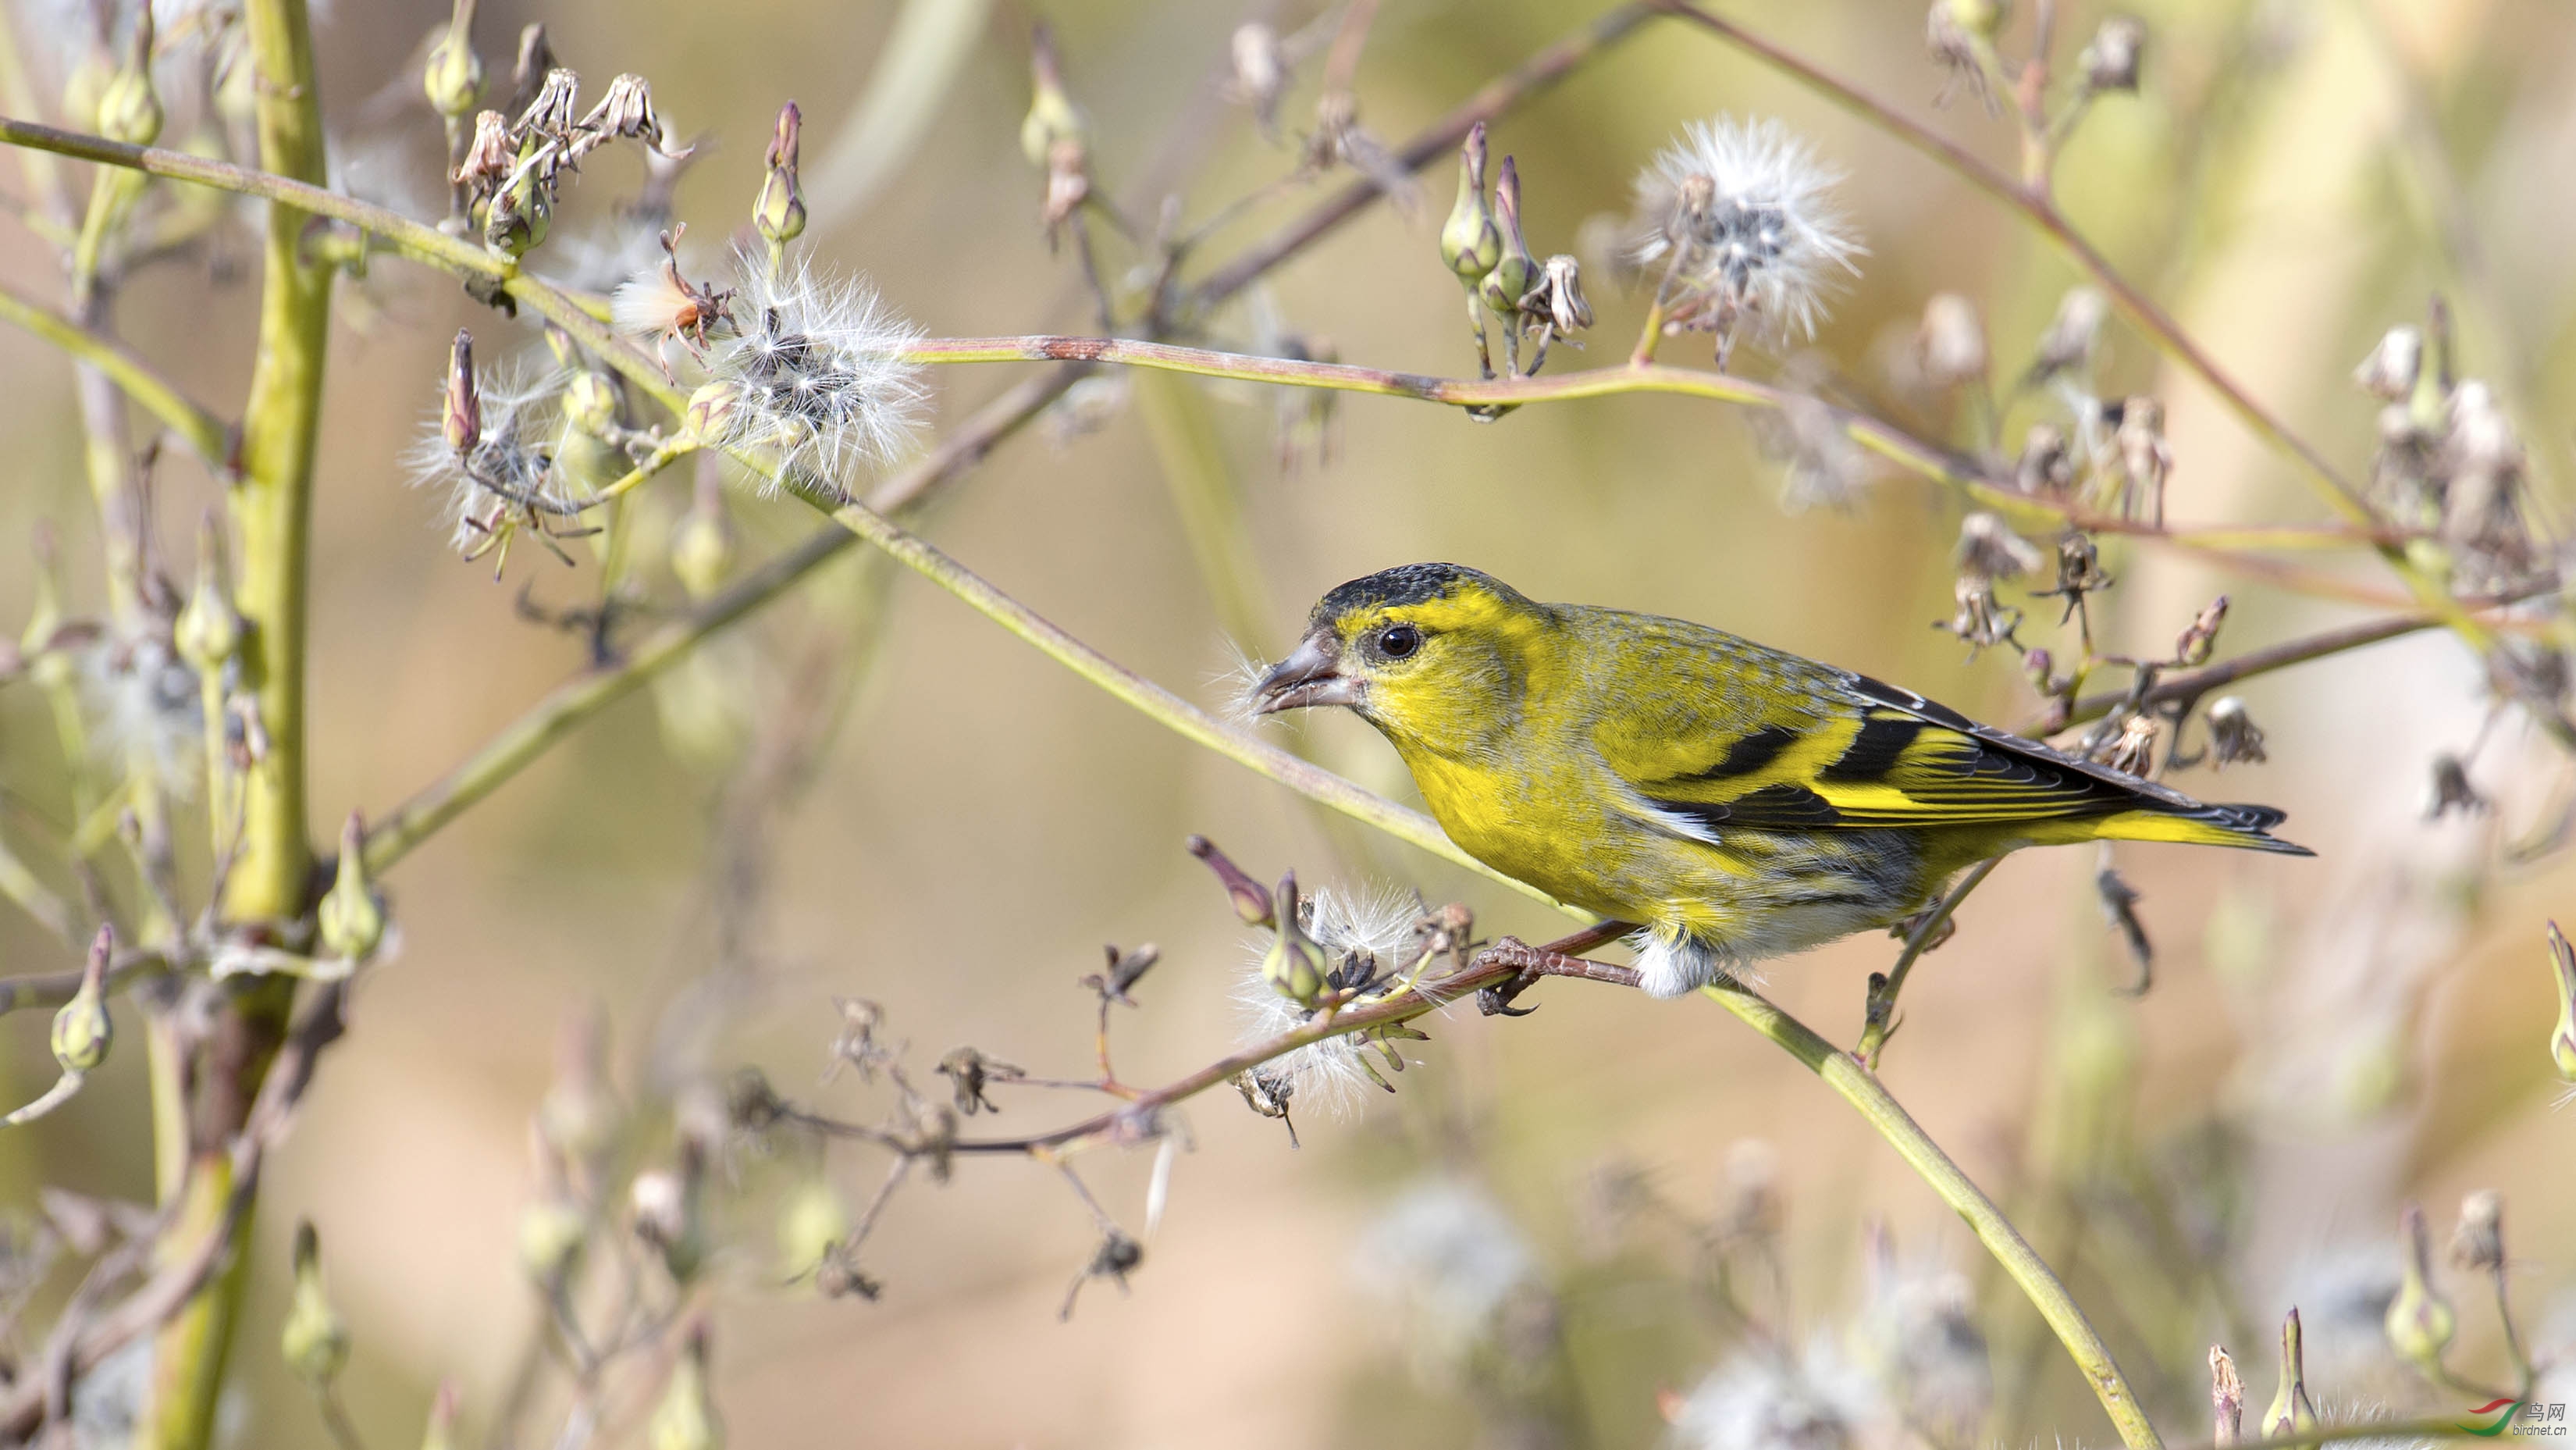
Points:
(1398, 641)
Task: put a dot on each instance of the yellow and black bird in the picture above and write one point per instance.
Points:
(1739, 802)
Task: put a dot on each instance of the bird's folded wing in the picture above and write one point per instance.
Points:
(1874, 756)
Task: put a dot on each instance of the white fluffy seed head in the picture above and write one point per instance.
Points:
(1819, 1400)
(1749, 208)
(512, 460)
(1452, 1260)
(1378, 921)
(145, 710)
(820, 368)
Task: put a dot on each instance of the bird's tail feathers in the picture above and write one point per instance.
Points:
(2246, 827)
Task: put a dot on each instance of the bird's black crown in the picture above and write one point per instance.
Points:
(1392, 588)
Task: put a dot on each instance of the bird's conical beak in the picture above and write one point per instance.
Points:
(1311, 675)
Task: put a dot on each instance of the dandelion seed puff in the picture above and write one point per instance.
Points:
(821, 379)
(1324, 1074)
(1376, 920)
(1741, 216)
(146, 712)
(1819, 1400)
(511, 465)
(1378, 924)
(1447, 1255)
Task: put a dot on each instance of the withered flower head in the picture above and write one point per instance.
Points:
(1260, 73)
(1989, 549)
(2389, 373)
(489, 157)
(2234, 738)
(2068, 343)
(1558, 297)
(549, 113)
(2045, 466)
(1951, 343)
(2111, 61)
(2478, 1244)
(626, 111)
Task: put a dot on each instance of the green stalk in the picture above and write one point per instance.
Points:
(272, 864)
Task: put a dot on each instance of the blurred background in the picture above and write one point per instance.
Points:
(1555, 1220)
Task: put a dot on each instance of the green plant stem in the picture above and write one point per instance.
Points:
(206, 435)
(1877, 435)
(1860, 1088)
(271, 868)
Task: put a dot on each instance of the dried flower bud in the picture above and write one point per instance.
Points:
(453, 79)
(315, 1339)
(702, 542)
(2111, 61)
(129, 110)
(780, 214)
(708, 408)
(1558, 298)
(2452, 790)
(811, 1224)
(625, 111)
(1251, 899)
(2045, 465)
(1513, 272)
(2291, 1410)
(2198, 638)
(666, 1215)
(489, 157)
(2145, 457)
(2072, 333)
(528, 73)
(1989, 549)
(1980, 618)
(2389, 373)
(1124, 970)
(352, 915)
(2134, 749)
(2562, 1038)
(82, 1029)
(1951, 343)
(686, 1418)
(2477, 1245)
(2234, 738)
(2037, 664)
(461, 403)
(1260, 72)
(1053, 118)
(856, 1044)
(1470, 243)
(208, 632)
(2226, 1398)
(591, 401)
(551, 1233)
(1980, 18)
(2420, 1321)
(549, 113)
(1295, 966)
(969, 1072)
